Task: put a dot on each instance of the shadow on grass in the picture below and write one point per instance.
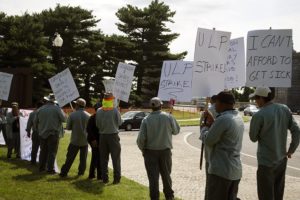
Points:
(34, 174)
(89, 186)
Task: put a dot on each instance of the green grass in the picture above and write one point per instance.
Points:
(189, 123)
(21, 181)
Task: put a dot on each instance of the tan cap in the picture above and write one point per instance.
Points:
(81, 102)
(50, 98)
(260, 91)
(14, 104)
(155, 102)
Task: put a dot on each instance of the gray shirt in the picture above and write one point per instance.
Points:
(157, 130)
(49, 119)
(77, 122)
(30, 123)
(108, 121)
(269, 127)
(224, 142)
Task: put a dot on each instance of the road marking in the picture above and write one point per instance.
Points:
(245, 154)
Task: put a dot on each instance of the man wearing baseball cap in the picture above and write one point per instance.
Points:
(155, 141)
(269, 127)
(108, 120)
(48, 120)
(77, 123)
(223, 141)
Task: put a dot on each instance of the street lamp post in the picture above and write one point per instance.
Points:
(57, 44)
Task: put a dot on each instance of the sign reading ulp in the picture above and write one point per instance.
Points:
(176, 81)
(269, 58)
(210, 59)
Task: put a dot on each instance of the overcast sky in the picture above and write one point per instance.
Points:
(235, 16)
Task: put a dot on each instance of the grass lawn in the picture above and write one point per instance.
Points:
(21, 181)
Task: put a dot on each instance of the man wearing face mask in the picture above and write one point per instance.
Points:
(269, 127)
(223, 141)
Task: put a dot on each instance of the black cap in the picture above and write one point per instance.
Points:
(226, 97)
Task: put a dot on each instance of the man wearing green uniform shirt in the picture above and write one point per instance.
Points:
(34, 135)
(77, 123)
(269, 128)
(223, 141)
(155, 141)
(48, 120)
(108, 120)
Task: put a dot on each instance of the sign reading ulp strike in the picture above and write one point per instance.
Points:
(210, 59)
(235, 75)
(176, 81)
(123, 81)
(269, 58)
(5, 83)
(63, 87)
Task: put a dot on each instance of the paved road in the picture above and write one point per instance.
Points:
(249, 149)
(188, 180)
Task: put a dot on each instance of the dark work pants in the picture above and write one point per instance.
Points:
(48, 152)
(35, 146)
(3, 130)
(95, 163)
(110, 144)
(219, 188)
(271, 181)
(14, 143)
(159, 162)
(71, 155)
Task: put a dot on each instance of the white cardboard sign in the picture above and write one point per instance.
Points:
(210, 59)
(123, 81)
(176, 81)
(235, 75)
(63, 87)
(109, 85)
(5, 84)
(269, 58)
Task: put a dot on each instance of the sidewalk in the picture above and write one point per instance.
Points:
(188, 180)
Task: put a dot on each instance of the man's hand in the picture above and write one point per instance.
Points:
(28, 134)
(203, 132)
(289, 155)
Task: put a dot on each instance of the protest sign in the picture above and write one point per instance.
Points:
(210, 59)
(25, 141)
(235, 75)
(63, 87)
(109, 85)
(5, 84)
(123, 81)
(269, 58)
(176, 81)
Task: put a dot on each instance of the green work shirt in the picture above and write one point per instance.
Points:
(77, 123)
(224, 142)
(269, 126)
(30, 123)
(157, 130)
(48, 120)
(108, 121)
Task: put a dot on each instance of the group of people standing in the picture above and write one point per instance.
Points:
(221, 131)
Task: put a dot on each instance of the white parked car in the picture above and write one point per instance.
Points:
(250, 110)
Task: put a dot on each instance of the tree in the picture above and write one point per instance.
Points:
(23, 45)
(150, 38)
(83, 45)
